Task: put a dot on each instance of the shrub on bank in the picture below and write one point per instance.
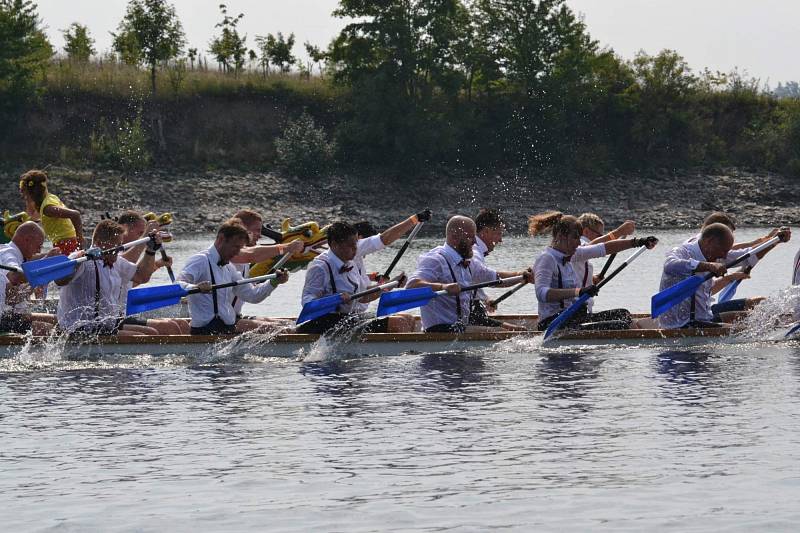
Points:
(304, 149)
(122, 146)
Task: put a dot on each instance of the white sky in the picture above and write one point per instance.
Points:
(757, 36)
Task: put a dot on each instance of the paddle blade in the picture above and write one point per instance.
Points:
(320, 307)
(397, 301)
(729, 291)
(792, 331)
(149, 298)
(565, 315)
(668, 298)
(43, 271)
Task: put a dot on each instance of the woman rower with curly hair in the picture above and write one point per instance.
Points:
(63, 226)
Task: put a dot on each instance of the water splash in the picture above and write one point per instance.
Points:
(774, 313)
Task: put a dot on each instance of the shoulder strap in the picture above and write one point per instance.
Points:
(330, 273)
(96, 291)
(213, 293)
(453, 275)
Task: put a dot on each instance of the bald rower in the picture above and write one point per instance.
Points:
(706, 254)
(15, 292)
(449, 267)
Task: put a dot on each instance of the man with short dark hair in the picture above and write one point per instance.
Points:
(212, 311)
(337, 271)
(90, 299)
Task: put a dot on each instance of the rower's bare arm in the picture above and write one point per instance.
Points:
(398, 230)
(73, 215)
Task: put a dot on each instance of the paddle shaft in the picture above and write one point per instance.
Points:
(165, 258)
(507, 294)
(483, 284)
(18, 270)
(257, 279)
(610, 260)
(373, 290)
(403, 249)
(620, 268)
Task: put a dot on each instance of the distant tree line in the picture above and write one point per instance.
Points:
(461, 83)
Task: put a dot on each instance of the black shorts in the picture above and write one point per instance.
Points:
(478, 316)
(215, 327)
(15, 323)
(610, 319)
(345, 323)
(133, 321)
(446, 328)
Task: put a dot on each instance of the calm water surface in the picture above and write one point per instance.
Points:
(515, 437)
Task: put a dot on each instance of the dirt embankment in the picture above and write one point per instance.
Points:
(201, 200)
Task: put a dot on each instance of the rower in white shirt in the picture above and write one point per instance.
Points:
(16, 316)
(557, 283)
(135, 228)
(253, 253)
(341, 270)
(489, 229)
(90, 301)
(450, 267)
(212, 311)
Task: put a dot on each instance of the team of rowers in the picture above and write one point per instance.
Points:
(92, 299)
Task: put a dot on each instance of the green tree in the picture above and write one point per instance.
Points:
(315, 56)
(24, 53)
(229, 48)
(150, 33)
(191, 53)
(78, 44)
(277, 50)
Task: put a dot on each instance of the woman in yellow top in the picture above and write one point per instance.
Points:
(63, 226)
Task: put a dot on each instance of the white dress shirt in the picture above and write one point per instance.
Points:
(435, 267)
(796, 271)
(681, 263)
(201, 305)
(350, 277)
(79, 304)
(244, 270)
(584, 270)
(546, 271)
(10, 255)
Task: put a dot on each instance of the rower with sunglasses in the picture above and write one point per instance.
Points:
(557, 283)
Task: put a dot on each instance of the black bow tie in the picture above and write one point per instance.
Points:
(486, 253)
(221, 263)
(566, 259)
(345, 269)
(464, 263)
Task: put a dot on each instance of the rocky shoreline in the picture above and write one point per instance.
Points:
(200, 200)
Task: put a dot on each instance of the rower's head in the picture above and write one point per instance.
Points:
(343, 240)
(490, 226)
(460, 232)
(592, 226)
(134, 224)
(33, 187)
(365, 229)
(718, 217)
(252, 222)
(716, 241)
(108, 234)
(29, 238)
(565, 229)
(232, 236)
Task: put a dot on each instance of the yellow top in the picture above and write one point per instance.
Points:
(56, 229)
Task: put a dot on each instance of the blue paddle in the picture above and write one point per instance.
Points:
(672, 296)
(729, 291)
(149, 298)
(328, 304)
(397, 301)
(792, 330)
(567, 313)
(43, 271)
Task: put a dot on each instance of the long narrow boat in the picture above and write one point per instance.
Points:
(298, 345)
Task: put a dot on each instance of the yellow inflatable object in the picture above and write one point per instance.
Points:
(310, 233)
(164, 219)
(12, 222)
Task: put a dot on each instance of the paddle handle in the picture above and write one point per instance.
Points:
(18, 270)
(620, 268)
(507, 294)
(403, 249)
(760, 248)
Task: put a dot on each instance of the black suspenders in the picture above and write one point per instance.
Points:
(458, 296)
(213, 293)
